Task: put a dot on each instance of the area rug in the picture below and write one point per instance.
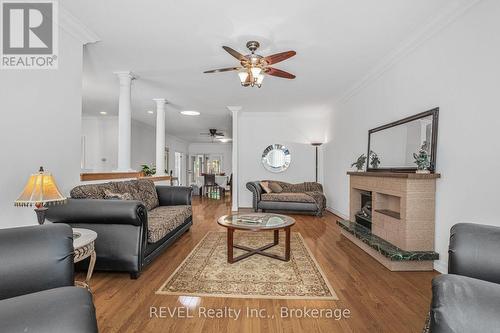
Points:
(205, 272)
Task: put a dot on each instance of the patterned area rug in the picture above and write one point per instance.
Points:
(205, 272)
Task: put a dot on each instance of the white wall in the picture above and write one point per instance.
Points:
(458, 70)
(101, 142)
(101, 139)
(223, 149)
(101, 136)
(41, 125)
(296, 130)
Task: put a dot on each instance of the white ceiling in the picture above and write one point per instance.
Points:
(168, 44)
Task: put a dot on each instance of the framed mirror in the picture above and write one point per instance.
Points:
(276, 158)
(394, 144)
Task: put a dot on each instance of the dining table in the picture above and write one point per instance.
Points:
(219, 180)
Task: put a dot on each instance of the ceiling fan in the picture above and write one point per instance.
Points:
(253, 67)
(213, 133)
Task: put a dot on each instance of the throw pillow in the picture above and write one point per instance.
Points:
(147, 193)
(119, 196)
(275, 187)
(265, 187)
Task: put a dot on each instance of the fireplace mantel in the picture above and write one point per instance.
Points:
(406, 175)
(402, 218)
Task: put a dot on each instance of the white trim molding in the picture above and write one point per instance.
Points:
(438, 23)
(76, 28)
(338, 213)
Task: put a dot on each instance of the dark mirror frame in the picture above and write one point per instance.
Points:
(435, 118)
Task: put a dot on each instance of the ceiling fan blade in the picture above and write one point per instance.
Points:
(279, 73)
(235, 53)
(222, 70)
(278, 57)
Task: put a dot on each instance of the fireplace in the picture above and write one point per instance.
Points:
(364, 215)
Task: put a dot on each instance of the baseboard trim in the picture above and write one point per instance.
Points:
(338, 213)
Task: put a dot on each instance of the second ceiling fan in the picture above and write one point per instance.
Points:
(253, 67)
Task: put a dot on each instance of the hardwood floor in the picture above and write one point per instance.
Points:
(378, 300)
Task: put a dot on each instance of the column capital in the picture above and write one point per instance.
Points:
(125, 75)
(234, 108)
(160, 101)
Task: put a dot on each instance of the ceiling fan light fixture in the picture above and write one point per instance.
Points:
(259, 80)
(253, 67)
(255, 71)
(243, 74)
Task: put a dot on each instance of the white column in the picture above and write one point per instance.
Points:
(160, 136)
(124, 121)
(235, 112)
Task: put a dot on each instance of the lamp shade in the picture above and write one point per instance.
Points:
(40, 189)
(255, 71)
(260, 78)
(243, 74)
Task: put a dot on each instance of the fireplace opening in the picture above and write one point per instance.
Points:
(364, 215)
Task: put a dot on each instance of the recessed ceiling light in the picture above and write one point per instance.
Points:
(151, 112)
(190, 113)
(224, 140)
(103, 113)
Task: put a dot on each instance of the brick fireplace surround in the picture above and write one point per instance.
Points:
(403, 209)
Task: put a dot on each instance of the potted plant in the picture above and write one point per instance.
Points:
(422, 161)
(374, 159)
(147, 170)
(360, 163)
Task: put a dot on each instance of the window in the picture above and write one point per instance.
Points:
(214, 164)
(198, 165)
(214, 167)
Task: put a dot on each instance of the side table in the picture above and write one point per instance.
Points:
(83, 244)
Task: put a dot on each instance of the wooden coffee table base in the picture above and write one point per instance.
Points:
(260, 250)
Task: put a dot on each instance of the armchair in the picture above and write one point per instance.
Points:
(37, 292)
(468, 298)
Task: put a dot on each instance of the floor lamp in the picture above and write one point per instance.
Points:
(316, 146)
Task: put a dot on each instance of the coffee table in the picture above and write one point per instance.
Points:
(256, 222)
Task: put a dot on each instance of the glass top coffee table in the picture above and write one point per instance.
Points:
(256, 222)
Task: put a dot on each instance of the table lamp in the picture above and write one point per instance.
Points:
(40, 190)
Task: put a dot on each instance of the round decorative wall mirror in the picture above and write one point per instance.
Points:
(276, 158)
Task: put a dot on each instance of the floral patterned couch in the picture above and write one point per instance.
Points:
(303, 197)
(134, 220)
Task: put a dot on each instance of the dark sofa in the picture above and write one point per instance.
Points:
(468, 298)
(130, 233)
(305, 197)
(37, 292)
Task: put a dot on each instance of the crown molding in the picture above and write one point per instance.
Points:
(438, 23)
(76, 28)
